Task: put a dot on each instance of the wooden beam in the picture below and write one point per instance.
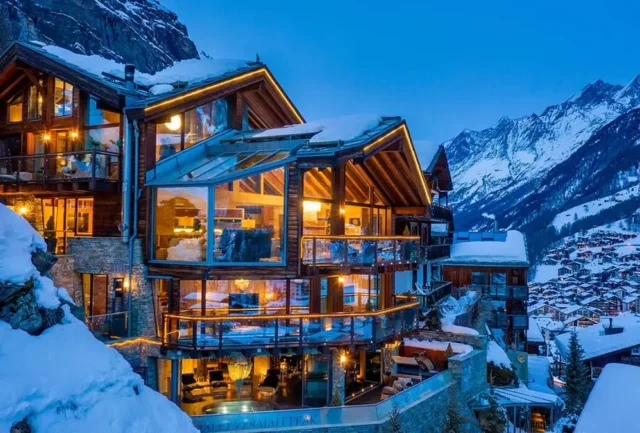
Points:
(32, 77)
(401, 174)
(381, 174)
(10, 87)
(364, 171)
(353, 182)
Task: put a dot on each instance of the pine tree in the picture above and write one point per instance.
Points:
(577, 381)
(433, 321)
(494, 418)
(454, 422)
(394, 425)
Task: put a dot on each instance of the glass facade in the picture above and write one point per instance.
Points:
(63, 99)
(35, 102)
(249, 219)
(65, 218)
(98, 116)
(184, 130)
(180, 224)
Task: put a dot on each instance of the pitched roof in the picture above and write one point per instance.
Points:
(508, 249)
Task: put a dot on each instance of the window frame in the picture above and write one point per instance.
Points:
(210, 221)
(12, 102)
(39, 103)
(64, 87)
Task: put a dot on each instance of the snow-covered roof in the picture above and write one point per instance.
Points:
(596, 343)
(534, 335)
(526, 396)
(190, 71)
(612, 405)
(459, 348)
(497, 355)
(511, 251)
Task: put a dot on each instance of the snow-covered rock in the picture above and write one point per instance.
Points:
(64, 380)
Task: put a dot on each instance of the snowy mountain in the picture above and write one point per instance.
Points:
(527, 170)
(141, 32)
(55, 376)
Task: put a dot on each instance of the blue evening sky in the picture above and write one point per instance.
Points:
(442, 65)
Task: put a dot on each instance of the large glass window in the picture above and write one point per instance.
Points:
(99, 116)
(65, 218)
(63, 99)
(107, 139)
(181, 224)
(316, 218)
(360, 293)
(499, 279)
(15, 109)
(317, 183)
(35, 102)
(479, 278)
(249, 220)
(183, 130)
(357, 221)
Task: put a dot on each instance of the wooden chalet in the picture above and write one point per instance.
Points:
(201, 216)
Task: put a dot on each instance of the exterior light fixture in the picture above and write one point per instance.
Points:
(46, 137)
(341, 280)
(74, 134)
(342, 210)
(175, 123)
(23, 210)
(343, 358)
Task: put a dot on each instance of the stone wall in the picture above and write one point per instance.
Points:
(62, 276)
(110, 256)
(475, 341)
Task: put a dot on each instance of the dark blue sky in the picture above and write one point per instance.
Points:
(443, 65)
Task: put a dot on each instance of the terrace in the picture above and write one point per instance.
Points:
(282, 331)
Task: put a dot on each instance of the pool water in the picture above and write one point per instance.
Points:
(227, 407)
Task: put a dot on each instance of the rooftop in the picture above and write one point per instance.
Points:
(608, 409)
(489, 249)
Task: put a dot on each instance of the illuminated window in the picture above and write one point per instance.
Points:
(63, 99)
(35, 103)
(15, 109)
(183, 130)
(249, 219)
(181, 224)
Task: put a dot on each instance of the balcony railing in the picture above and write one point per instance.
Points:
(500, 292)
(508, 321)
(360, 250)
(441, 212)
(82, 165)
(287, 331)
(108, 326)
(433, 252)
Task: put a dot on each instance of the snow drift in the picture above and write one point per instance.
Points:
(64, 380)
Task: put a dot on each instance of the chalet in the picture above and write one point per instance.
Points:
(496, 265)
(630, 303)
(564, 270)
(575, 266)
(229, 240)
(615, 340)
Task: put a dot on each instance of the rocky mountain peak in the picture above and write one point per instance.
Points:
(595, 93)
(141, 32)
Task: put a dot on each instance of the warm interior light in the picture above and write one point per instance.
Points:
(341, 280)
(342, 210)
(241, 284)
(175, 123)
(309, 206)
(23, 210)
(40, 100)
(47, 137)
(74, 134)
(126, 284)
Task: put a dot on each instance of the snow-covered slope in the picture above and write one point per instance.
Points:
(64, 380)
(593, 207)
(142, 32)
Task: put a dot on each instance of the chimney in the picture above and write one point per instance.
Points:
(129, 72)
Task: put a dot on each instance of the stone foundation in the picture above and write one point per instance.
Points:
(63, 276)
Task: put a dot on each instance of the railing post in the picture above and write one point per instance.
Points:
(395, 251)
(314, 252)
(93, 168)
(219, 339)
(346, 252)
(194, 331)
(277, 336)
(374, 326)
(19, 170)
(352, 334)
(300, 336)
(375, 253)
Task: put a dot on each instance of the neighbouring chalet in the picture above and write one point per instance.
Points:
(494, 264)
(242, 251)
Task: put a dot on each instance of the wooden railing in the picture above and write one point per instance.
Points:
(360, 250)
(287, 331)
(433, 252)
(82, 165)
(441, 212)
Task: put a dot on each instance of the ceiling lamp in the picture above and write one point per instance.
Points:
(175, 123)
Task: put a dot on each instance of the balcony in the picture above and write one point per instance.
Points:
(508, 321)
(440, 212)
(85, 166)
(501, 292)
(360, 250)
(287, 331)
(434, 252)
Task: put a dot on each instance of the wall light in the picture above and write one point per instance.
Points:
(342, 211)
(175, 123)
(23, 210)
(343, 358)
(46, 137)
(74, 134)
(341, 279)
